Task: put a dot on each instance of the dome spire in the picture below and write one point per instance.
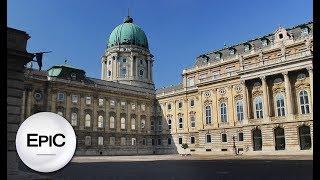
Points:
(128, 19)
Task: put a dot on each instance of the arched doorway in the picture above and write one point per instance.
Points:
(304, 137)
(280, 142)
(257, 139)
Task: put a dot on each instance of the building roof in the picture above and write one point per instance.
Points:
(128, 33)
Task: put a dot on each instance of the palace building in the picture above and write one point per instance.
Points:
(252, 97)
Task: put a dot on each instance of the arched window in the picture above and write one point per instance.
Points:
(239, 108)
(304, 102)
(123, 123)
(223, 112)
(87, 120)
(74, 119)
(304, 137)
(169, 124)
(258, 107)
(100, 121)
(280, 105)
(208, 114)
(133, 123)
(280, 142)
(111, 122)
(257, 140)
(180, 123)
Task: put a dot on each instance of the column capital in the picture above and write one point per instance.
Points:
(310, 69)
(263, 78)
(285, 73)
(243, 82)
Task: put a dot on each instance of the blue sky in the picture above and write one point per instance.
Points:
(178, 30)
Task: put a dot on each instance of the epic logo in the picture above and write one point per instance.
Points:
(45, 142)
(43, 139)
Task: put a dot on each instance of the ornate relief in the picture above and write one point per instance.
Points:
(238, 97)
(207, 102)
(207, 94)
(238, 88)
(222, 91)
(224, 99)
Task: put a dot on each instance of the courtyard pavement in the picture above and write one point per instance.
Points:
(195, 167)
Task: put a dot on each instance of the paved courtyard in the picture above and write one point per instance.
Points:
(175, 167)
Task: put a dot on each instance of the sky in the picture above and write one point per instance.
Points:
(178, 30)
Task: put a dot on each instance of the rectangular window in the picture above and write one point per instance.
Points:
(144, 141)
(180, 123)
(100, 141)
(180, 140)
(169, 141)
(160, 125)
(215, 75)
(88, 100)
(192, 140)
(123, 141)
(133, 141)
(159, 142)
(180, 105)
(60, 96)
(100, 102)
(88, 140)
(152, 142)
(152, 126)
(208, 138)
(224, 137)
(112, 103)
(133, 106)
(192, 121)
(191, 81)
(192, 103)
(112, 141)
(123, 103)
(74, 99)
(143, 107)
(240, 137)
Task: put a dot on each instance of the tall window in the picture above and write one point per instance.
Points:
(74, 98)
(100, 102)
(258, 107)
(223, 112)
(87, 140)
(88, 100)
(133, 123)
(123, 123)
(279, 138)
(143, 123)
(224, 137)
(100, 141)
(169, 141)
(192, 140)
(169, 123)
(280, 105)
(257, 140)
(152, 125)
(74, 119)
(169, 106)
(304, 102)
(112, 140)
(123, 141)
(160, 125)
(133, 141)
(304, 137)
(240, 136)
(100, 121)
(111, 122)
(192, 121)
(239, 108)
(180, 123)
(208, 138)
(208, 114)
(87, 120)
(192, 103)
(123, 72)
(180, 140)
(60, 96)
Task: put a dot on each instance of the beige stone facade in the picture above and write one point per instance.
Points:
(253, 97)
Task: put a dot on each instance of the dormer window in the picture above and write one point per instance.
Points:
(247, 47)
(280, 36)
(73, 76)
(264, 42)
(232, 51)
(218, 56)
(304, 31)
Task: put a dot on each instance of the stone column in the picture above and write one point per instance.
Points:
(29, 90)
(94, 113)
(230, 107)
(310, 70)
(288, 93)
(265, 98)
(149, 69)
(81, 112)
(214, 108)
(53, 101)
(103, 69)
(68, 106)
(244, 102)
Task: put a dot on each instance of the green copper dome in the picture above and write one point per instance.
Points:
(128, 33)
